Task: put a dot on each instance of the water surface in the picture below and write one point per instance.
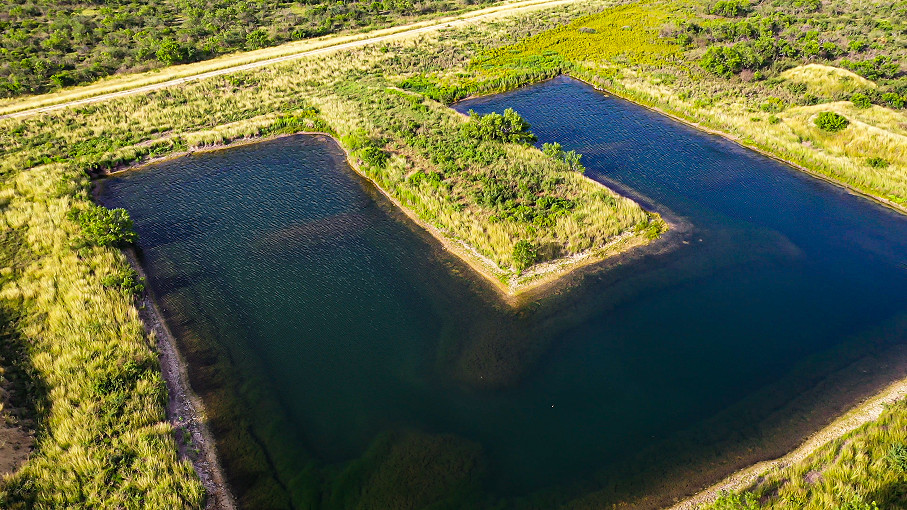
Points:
(354, 363)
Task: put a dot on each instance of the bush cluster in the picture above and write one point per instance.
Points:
(831, 122)
(769, 38)
(509, 127)
(730, 8)
(104, 227)
(569, 158)
(128, 281)
(524, 255)
(861, 101)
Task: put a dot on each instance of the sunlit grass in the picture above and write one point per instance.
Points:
(628, 34)
(827, 81)
(104, 439)
(859, 469)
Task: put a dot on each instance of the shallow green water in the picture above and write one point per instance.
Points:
(350, 362)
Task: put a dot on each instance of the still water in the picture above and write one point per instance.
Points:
(348, 362)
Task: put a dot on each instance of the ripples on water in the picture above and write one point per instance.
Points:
(371, 368)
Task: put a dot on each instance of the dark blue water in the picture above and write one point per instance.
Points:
(365, 367)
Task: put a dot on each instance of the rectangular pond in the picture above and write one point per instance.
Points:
(347, 361)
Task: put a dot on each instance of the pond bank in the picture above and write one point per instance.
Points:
(868, 411)
(185, 410)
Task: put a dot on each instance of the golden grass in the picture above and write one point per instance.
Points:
(95, 451)
(827, 81)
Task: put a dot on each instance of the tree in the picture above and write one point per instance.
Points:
(257, 39)
(570, 158)
(171, 52)
(104, 227)
(524, 255)
(509, 127)
(722, 60)
(730, 8)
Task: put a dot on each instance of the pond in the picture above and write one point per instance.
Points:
(346, 360)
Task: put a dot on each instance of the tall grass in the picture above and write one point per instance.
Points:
(103, 440)
(827, 81)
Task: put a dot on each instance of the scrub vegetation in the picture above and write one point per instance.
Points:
(761, 72)
(47, 44)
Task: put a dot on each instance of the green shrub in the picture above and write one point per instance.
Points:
(171, 52)
(731, 501)
(570, 158)
(893, 100)
(876, 162)
(730, 8)
(857, 45)
(127, 280)
(722, 60)
(356, 140)
(509, 127)
(524, 255)
(831, 122)
(897, 454)
(857, 503)
(861, 101)
(875, 68)
(104, 227)
(373, 156)
(773, 119)
(257, 39)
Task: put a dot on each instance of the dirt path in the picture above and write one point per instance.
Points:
(330, 45)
